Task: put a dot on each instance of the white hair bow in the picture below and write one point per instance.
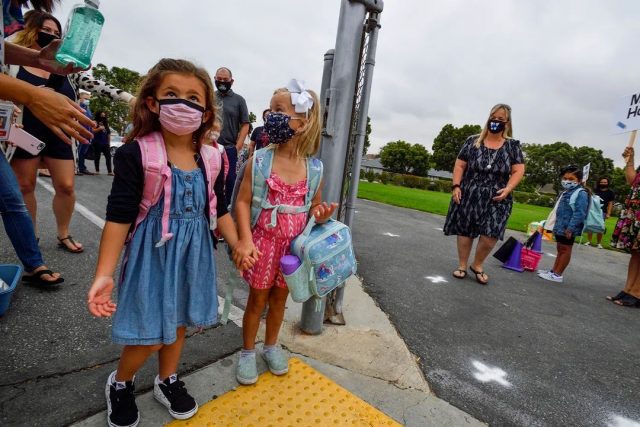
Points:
(300, 98)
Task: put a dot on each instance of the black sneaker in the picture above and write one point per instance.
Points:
(121, 404)
(172, 394)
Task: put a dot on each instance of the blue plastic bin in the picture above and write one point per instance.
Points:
(11, 274)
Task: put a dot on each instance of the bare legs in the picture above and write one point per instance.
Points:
(483, 249)
(134, 356)
(62, 178)
(258, 299)
(562, 259)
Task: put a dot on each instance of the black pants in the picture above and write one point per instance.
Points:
(104, 149)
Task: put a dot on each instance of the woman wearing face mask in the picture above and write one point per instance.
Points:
(101, 141)
(40, 29)
(570, 216)
(488, 168)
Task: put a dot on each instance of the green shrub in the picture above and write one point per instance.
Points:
(385, 178)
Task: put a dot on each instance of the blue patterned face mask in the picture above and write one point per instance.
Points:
(568, 185)
(278, 129)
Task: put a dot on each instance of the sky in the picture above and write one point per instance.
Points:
(563, 66)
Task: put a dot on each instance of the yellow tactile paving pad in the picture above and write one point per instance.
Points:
(303, 397)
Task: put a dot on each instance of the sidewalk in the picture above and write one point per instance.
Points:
(366, 357)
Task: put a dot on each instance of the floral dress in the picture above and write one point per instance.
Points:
(275, 242)
(626, 235)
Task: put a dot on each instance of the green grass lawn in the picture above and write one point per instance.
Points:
(438, 203)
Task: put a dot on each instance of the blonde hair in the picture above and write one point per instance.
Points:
(508, 126)
(145, 121)
(33, 22)
(309, 138)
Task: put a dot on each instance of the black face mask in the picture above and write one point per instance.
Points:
(223, 87)
(45, 38)
(604, 187)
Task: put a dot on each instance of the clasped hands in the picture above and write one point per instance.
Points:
(245, 254)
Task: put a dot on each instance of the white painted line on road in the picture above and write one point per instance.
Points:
(551, 255)
(438, 228)
(436, 279)
(619, 421)
(390, 234)
(235, 313)
(487, 374)
(81, 209)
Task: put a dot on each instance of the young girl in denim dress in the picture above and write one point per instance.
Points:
(293, 126)
(168, 278)
(570, 217)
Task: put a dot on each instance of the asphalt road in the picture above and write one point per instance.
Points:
(521, 351)
(54, 356)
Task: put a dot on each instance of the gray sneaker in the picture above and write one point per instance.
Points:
(550, 276)
(247, 372)
(276, 360)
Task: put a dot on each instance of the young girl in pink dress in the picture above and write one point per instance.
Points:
(293, 126)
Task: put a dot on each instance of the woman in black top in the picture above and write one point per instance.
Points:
(41, 29)
(488, 169)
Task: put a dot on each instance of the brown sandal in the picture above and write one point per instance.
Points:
(62, 245)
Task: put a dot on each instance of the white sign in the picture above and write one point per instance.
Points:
(585, 172)
(627, 114)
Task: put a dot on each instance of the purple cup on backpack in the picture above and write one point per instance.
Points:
(289, 264)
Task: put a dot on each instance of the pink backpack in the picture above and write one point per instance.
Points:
(157, 177)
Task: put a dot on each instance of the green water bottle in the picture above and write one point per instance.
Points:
(81, 35)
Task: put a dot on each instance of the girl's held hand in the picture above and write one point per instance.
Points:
(567, 234)
(323, 211)
(457, 195)
(99, 298)
(245, 254)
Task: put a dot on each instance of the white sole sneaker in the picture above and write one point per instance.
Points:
(107, 390)
(160, 397)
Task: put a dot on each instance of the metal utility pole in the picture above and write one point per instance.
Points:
(345, 93)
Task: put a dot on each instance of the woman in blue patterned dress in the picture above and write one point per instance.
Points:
(488, 168)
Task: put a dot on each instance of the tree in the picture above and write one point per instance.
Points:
(402, 157)
(122, 78)
(618, 183)
(447, 144)
(367, 142)
(252, 117)
(544, 162)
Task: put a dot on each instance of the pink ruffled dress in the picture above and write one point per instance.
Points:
(274, 242)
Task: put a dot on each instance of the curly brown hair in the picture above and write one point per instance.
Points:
(146, 121)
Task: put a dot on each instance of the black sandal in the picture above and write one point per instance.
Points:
(620, 295)
(628, 301)
(463, 273)
(480, 275)
(35, 278)
(61, 245)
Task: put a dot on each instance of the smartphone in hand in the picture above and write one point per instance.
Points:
(23, 139)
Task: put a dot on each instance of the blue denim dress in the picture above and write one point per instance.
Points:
(173, 285)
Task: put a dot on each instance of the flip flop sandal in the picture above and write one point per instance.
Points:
(36, 278)
(463, 273)
(628, 301)
(620, 295)
(479, 275)
(61, 245)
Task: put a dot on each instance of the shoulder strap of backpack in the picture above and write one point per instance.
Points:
(574, 197)
(260, 172)
(314, 177)
(157, 177)
(212, 160)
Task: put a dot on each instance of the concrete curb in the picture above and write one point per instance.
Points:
(368, 344)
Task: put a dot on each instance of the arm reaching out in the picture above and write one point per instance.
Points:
(99, 298)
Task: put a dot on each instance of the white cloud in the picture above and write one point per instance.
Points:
(561, 65)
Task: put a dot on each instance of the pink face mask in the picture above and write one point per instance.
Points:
(179, 116)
